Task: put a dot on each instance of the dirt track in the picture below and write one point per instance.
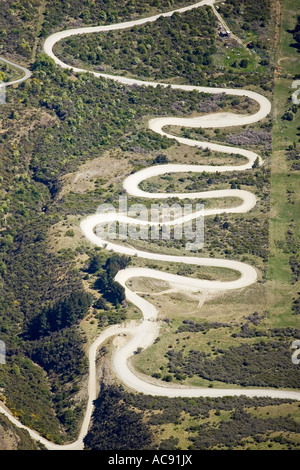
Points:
(143, 334)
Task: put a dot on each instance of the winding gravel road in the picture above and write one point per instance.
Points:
(144, 333)
(26, 72)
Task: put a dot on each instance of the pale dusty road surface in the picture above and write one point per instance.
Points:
(295, 99)
(142, 335)
(26, 72)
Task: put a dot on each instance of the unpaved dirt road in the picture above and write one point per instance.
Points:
(144, 333)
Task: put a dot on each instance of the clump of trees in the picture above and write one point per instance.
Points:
(62, 314)
(111, 290)
(296, 305)
(290, 113)
(160, 159)
(249, 12)
(296, 34)
(115, 425)
(294, 263)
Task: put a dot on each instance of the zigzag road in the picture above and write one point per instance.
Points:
(143, 334)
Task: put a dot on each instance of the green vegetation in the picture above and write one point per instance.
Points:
(143, 50)
(111, 290)
(251, 15)
(26, 392)
(224, 234)
(110, 307)
(262, 364)
(258, 137)
(296, 35)
(90, 107)
(185, 46)
(82, 12)
(13, 438)
(284, 222)
(183, 423)
(57, 121)
(217, 354)
(9, 73)
(115, 426)
(63, 314)
(18, 26)
(61, 355)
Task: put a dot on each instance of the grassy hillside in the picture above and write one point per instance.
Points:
(12, 438)
(196, 424)
(284, 222)
(66, 142)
